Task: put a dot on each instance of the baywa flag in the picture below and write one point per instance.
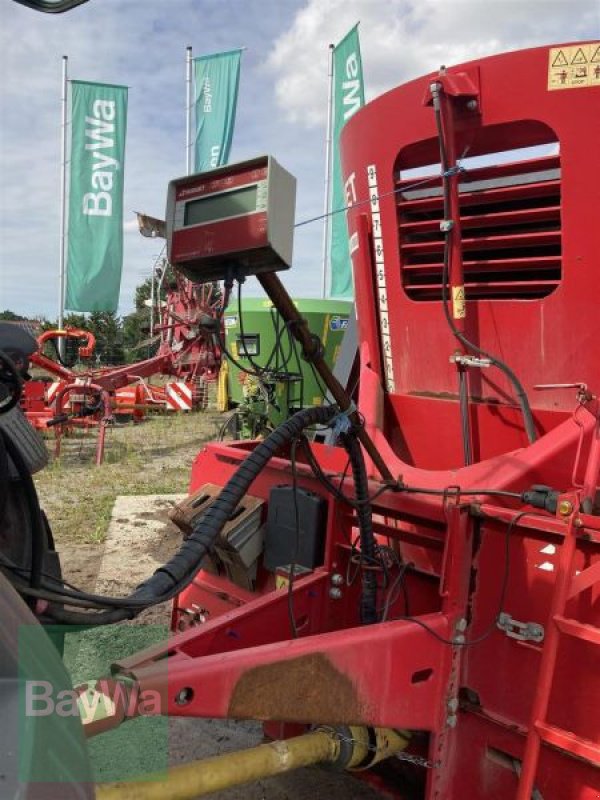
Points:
(348, 97)
(217, 80)
(95, 232)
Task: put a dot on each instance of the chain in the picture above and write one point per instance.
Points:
(409, 758)
(418, 761)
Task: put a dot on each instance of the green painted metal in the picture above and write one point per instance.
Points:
(326, 318)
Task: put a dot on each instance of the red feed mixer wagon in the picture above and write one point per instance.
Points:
(409, 574)
(448, 587)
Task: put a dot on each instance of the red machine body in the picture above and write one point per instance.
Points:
(491, 655)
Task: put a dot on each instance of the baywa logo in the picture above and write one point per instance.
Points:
(96, 700)
(338, 323)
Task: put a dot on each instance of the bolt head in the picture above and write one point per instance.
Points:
(337, 579)
(452, 705)
(335, 593)
(472, 105)
(565, 507)
(451, 720)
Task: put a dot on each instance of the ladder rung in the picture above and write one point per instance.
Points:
(565, 740)
(580, 630)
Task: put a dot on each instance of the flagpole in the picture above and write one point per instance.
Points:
(326, 218)
(63, 202)
(188, 82)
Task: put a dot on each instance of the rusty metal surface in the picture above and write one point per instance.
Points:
(308, 687)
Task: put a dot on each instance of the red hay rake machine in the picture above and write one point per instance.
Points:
(424, 590)
(188, 352)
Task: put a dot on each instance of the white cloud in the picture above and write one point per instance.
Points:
(402, 39)
(281, 109)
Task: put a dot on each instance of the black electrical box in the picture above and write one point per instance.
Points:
(284, 542)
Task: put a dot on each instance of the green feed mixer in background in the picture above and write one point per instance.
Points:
(267, 379)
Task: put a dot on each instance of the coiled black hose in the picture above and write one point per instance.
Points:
(171, 578)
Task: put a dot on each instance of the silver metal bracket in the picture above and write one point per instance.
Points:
(522, 631)
(469, 361)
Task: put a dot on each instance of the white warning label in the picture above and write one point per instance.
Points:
(574, 67)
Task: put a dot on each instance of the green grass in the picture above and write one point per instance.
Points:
(154, 457)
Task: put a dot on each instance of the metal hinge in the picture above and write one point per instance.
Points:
(523, 631)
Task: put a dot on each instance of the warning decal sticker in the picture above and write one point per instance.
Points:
(574, 67)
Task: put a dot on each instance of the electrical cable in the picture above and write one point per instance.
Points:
(256, 373)
(503, 588)
(397, 583)
(330, 486)
(256, 367)
(399, 487)
(522, 398)
(456, 491)
(370, 199)
(226, 425)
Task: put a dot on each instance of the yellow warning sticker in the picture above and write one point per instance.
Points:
(459, 309)
(574, 67)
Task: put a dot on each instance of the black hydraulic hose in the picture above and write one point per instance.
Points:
(185, 562)
(38, 534)
(171, 578)
(520, 392)
(368, 601)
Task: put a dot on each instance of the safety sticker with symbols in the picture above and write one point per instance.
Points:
(574, 67)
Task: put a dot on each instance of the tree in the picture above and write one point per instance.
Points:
(107, 328)
(10, 316)
(136, 326)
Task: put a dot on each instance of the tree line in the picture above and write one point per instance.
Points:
(119, 340)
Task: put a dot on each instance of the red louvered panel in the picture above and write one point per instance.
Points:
(510, 216)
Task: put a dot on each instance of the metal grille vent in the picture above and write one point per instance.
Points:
(510, 218)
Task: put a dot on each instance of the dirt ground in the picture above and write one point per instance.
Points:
(111, 526)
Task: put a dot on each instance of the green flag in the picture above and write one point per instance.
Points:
(217, 81)
(95, 233)
(348, 97)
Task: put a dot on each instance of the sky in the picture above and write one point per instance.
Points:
(282, 103)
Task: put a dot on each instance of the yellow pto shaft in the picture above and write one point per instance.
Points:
(200, 778)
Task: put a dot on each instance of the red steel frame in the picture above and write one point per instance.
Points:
(502, 715)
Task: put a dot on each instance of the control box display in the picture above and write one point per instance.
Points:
(239, 217)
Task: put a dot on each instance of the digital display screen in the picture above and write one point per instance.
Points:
(221, 206)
